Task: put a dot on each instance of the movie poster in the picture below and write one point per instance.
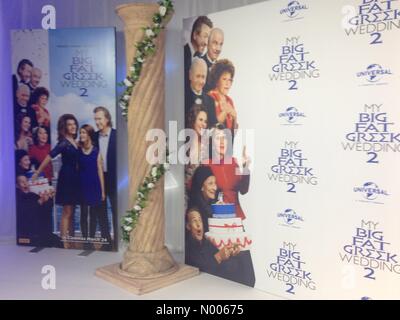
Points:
(293, 145)
(65, 138)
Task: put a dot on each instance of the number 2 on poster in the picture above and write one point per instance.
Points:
(291, 288)
(293, 85)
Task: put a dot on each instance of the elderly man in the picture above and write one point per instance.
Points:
(214, 48)
(21, 105)
(196, 94)
(35, 78)
(197, 44)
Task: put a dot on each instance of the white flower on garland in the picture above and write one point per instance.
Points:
(166, 166)
(140, 59)
(149, 33)
(163, 11)
(150, 185)
(127, 97)
(138, 208)
(140, 195)
(128, 228)
(122, 105)
(128, 83)
(154, 172)
(133, 69)
(128, 220)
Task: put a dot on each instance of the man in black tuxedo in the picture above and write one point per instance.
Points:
(23, 76)
(106, 141)
(214, 49)
(197, 44)
(196, 93)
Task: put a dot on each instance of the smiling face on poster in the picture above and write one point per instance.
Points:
(65, 139)
(304, 146)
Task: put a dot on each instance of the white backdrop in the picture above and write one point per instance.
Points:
(338, 200)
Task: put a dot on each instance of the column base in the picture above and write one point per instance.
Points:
(112, 274)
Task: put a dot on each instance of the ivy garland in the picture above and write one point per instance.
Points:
(145, 48)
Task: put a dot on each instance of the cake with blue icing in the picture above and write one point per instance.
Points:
(225, 229)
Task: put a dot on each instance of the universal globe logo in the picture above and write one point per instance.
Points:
(374, 73)
(292, 115)
(370, 191)
(290, 217)
(293, 9)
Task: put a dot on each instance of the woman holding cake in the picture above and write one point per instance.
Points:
(221, 79)
(91, 182)
(23, 163)
(68, 194)
(228, 261)
(230, 178)
(203, 193)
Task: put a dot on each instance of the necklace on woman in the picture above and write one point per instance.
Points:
(87, 150)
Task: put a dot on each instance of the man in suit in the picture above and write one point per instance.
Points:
(214, 49)
(106, 141)
(36, 77)
(22, 106)
(197, 44)
(23, 76)
(196, 94)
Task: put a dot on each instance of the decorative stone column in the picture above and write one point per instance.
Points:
(147, 264)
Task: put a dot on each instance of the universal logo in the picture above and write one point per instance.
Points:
(293, 10)
(292, 115)
(290, 217)
(374, 74)
(370, 191)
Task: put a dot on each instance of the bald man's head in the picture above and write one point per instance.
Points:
(215, 43)
(23, 94)
(36, 77)
(198, 74)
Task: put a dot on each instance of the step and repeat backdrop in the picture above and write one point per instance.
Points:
(65, 137)
(306, 204)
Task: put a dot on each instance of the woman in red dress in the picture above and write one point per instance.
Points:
(221, 79)
(40, 97)
(231, 179)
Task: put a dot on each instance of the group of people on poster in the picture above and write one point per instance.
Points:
(212, 120)
(86, 178)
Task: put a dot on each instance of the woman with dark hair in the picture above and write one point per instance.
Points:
(226, 168)
(228, 262)
(91, 182)
(41, 149)
(39, 100)
(197, 121)
(203, 192)
(197, 151)
(221, 79)
(67, 194)
(23, 134)
(22, 163)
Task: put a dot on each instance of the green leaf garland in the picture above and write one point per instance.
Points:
(145, 48)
